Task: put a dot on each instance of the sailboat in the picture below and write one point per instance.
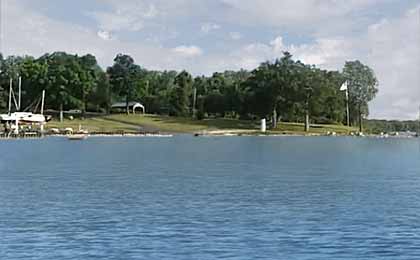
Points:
(13, 120)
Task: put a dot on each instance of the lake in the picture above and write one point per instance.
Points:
(210, 198)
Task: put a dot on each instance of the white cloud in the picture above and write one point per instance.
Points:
(208, 27)
(151, 12)
(324, 53)
(188, 51)
(311, 16)
(104, 35)
(235, 35)
(394, 54)
(129, 16)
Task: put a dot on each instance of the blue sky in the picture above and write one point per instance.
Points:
(204, 36)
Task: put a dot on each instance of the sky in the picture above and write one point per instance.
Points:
(206, 36)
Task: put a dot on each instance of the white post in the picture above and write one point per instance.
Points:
(263, 125)
(42, 111)
(42, 102)
(17, 127)
(194, 101)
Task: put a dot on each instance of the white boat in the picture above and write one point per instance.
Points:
(77, 137)
(12, 121)
(24, 118)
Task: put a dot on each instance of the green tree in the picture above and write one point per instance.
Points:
(272, 88)
(362, 84)
(124, 77)
(62, 81)
(179, 100)
(100, 95)
(34, 75)
(89, 75)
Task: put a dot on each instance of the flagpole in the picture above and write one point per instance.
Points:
(348, 109)
(345, 87)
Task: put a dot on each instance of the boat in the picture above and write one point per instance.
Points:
(77, 137)
(13, 121)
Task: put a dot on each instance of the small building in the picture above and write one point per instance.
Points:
(132, 106)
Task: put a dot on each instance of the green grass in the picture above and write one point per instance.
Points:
(182, 125)
(152, 123)
(298, 128)
(93, 125)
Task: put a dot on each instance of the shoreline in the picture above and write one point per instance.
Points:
(218, 133)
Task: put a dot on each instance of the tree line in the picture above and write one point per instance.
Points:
(281, 90)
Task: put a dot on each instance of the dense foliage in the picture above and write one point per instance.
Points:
(284, 89)
(390, 126)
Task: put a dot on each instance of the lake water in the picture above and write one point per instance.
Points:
(210, 198)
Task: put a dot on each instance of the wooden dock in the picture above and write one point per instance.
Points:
(22, 135)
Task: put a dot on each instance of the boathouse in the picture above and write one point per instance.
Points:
(132, 106)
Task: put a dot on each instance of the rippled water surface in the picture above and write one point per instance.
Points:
(210, 198)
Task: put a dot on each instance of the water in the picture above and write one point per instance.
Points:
(210, 198)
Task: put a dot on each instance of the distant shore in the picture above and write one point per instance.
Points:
(164, 126)
(120, 123)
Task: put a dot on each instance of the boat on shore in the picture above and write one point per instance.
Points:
(77, 137)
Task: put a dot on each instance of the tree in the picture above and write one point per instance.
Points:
(34, 76)
(100, 95)
(62, 81)
(362, 84)
(272, 88)
(124, 76)
(10, 70)
(283, 89)
(179, 100)
(89, 74)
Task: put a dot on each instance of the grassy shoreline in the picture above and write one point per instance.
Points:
(174, 125)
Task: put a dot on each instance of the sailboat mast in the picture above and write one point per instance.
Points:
(20, 94)
(42, 102)
(10, 95)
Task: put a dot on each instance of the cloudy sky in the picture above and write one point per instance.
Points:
(204, 36)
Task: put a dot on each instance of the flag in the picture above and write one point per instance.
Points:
(344, 86)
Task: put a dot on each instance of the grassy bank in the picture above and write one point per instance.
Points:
(153, 123)
(297, 128)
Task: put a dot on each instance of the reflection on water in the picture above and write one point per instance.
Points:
(210, 198)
